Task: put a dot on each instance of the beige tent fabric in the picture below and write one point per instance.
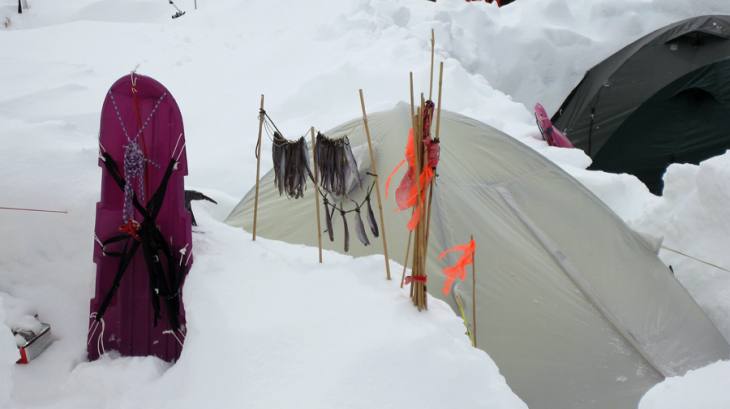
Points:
(575, 308)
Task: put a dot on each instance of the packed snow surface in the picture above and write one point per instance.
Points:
(704, 388)
(268, 327)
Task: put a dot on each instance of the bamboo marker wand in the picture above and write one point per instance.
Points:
(438, 106)
(433, 46)
(373, 170)
(437, 139)
(258, 168)
(405, 263)
(474, 295)
(410, 232)
(316, 194)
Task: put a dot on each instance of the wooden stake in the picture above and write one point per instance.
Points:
(410, 233)
(474, 295)
(419, 231)
(437, 139)
(258, 168)
(433, 46)
(438, 106)
(413, 108)
(418, 288)
(405, 260)
(374, 171)
(316, 195)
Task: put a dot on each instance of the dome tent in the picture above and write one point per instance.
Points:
(663, 99)
(574, 307)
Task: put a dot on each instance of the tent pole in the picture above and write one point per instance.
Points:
(474, 295)
(373, 170)
(258, 168)
(316, 194)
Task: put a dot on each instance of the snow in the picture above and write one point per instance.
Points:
(8, 356)
(704, 388)
(267, 326)
(693, 218)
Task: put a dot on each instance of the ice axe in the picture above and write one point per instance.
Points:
(191, 195)
(178, 13)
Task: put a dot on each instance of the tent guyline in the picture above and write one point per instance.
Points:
(699, 260)
(28, 209)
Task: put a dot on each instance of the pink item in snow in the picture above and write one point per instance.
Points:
(549, 133)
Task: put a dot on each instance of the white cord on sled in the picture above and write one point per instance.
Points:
(171, 332)
(100, 350)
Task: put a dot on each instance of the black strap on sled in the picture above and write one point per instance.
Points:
(157, 253)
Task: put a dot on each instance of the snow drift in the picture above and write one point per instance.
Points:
(309, 58)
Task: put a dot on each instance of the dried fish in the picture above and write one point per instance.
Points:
(371, 218)
(291, 166)
(328, 218)
(347, 232)
(336, 163)
(360, 228)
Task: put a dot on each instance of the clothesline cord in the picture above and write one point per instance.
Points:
(358, 205)
(268, 124)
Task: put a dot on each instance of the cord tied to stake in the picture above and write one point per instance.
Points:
(416, 279)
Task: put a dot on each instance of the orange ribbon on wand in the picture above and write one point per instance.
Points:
(406, 195)
(458, 270)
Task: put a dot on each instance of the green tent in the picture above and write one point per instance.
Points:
(663, 99)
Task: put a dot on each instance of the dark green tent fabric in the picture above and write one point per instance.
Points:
(686, 122)
(666, 92)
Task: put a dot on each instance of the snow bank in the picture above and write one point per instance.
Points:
(557, 41)
(704, 388)
(694, 218)
(269, 328)
(8, 356)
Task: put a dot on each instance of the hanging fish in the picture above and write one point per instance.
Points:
(347, 232)
(337, 165)
(371, 217)
(291, 165)
(360, 228)
(278, 155)
(352, 173)
(328, 219)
